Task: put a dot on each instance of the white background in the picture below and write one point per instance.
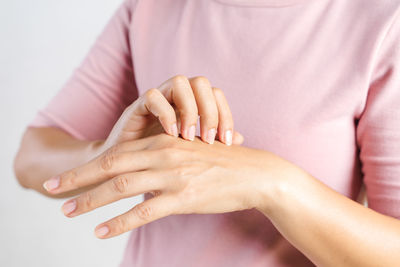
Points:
(41, 42)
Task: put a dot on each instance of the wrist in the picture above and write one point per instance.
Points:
(277, 191)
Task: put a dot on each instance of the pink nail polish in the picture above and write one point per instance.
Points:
(211, 136)
(69, 207)
(52, 183)
(102, 231)
(192, 132)
(228, 137)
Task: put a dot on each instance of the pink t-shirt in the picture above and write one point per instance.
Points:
(314, 81)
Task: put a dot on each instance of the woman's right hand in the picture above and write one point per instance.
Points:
(174, 107)
(175, 104)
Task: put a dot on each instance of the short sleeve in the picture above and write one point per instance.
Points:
(93, 98)
(378, 129)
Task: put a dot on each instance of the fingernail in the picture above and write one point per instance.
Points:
(69, 207)
(102, 231)
(192, 132)
(174, 130)
(228, 137)
(211, 136)
(52, 183)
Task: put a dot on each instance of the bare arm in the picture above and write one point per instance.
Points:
(194, 177)
(45, 152)
(330, 229)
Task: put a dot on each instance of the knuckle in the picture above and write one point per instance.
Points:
(87, 200)
(69, 178)
(107, 160)
(151, 93)
(179, 79)
(120, 225)
(143, 211)
(218, 91)
(120, 184)
(201, 81)
(171, 153)
(188, 194)
(150, 97)
(182, 172)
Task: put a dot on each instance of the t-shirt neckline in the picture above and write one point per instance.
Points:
(261, 3)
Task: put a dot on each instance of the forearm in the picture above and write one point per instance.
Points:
(45, 152)
(330, 229)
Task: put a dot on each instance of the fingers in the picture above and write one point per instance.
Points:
(192, 97)
(121, 186)
(238, 139)
(107, 165)
(178, 91)
(225, 126)
(143, 213)
(207, 108)
(154, 102)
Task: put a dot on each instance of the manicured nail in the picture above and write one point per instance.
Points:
(69, 207)
(211, 136)
(102, 231)
(192, 132)
(228, 137)
(174, 130)
(52, 183)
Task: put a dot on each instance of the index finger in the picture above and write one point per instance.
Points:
(105, 166)
(178, 91)
(141, 214)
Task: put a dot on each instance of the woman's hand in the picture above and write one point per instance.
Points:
(184, 177)
(177, 102)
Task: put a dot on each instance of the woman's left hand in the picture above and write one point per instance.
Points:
(184, 177)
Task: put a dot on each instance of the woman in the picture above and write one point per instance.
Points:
(313, 87)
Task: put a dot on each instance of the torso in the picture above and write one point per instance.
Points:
(296, 79)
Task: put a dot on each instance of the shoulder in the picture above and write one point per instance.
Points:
(374, 10)
(366, 19)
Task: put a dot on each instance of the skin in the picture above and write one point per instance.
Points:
(172, 108)
(196, 177)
